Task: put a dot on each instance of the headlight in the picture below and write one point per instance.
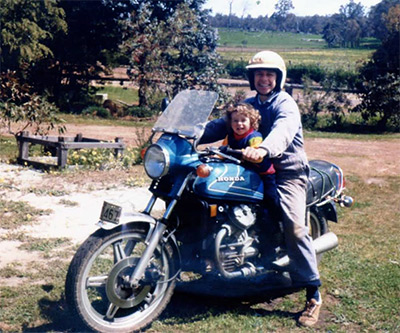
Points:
(156, 162)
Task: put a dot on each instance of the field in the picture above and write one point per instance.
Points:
(294, 48)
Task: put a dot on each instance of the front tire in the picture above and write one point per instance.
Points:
(96, 287)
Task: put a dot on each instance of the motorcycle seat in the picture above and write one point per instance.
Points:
(323, 181)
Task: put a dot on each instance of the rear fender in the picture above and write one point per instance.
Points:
(328, 210)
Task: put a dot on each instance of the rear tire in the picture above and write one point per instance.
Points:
(96, 290)
(317, 225)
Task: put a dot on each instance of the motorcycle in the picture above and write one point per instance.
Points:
(214, 237)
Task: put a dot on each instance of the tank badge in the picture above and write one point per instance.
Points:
(231, 179)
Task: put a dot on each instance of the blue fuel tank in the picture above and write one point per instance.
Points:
(229, 181)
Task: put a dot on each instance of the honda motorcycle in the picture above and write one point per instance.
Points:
(214, 236)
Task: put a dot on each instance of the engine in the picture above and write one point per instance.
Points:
(233, 243)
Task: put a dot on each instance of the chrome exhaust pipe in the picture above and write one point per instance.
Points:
(324, 243)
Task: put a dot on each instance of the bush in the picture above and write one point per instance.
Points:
(20, 106)
(98, 111)
(236, 68)
(140, 112)
(104, 159)
(296, 73)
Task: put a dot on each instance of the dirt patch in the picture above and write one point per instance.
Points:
(370, 160)
(74, 201)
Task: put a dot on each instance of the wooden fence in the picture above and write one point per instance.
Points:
(58, 147)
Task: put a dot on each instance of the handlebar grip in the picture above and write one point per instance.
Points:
(234, 152)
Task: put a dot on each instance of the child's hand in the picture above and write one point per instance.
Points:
(254, 155)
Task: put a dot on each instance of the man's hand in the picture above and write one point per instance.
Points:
(254, 155)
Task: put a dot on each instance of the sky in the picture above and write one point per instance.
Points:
(267, 7)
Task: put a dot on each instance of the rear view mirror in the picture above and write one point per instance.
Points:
(164, 103)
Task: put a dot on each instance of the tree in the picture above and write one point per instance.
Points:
(27, 29)
(282, 9)
(332, 32)
(88, 48)
(346, 28)
(380, 92)
(172, 50)
(377, 18)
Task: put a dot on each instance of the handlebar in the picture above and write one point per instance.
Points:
(233, 155)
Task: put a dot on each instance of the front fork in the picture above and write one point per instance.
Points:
(155, 234)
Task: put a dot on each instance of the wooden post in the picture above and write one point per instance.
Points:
(78, 137)
(62, 153)
(23, 146)
(120, 150)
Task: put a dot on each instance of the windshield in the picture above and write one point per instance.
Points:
(187, 114)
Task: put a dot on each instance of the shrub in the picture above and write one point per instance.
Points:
(104, 159)
(20, 106)
(236, 68)
(140, 111)
(98, 111)
(314, 72)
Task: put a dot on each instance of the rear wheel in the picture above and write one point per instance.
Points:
(317, 226)
(97, 288)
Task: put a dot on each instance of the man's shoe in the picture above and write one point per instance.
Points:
(310, 315)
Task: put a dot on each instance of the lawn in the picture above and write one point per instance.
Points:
(294, 48)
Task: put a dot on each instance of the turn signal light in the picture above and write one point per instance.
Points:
(213, 210)
(143, 152)
(203, 170)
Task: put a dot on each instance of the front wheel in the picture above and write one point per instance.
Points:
(97, 288)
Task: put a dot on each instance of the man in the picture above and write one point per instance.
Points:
(282, 131)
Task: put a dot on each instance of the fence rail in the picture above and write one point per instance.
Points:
(58, 147)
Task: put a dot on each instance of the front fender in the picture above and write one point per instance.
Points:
(128, 217)
(137, 217)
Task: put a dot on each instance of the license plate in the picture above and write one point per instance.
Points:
(110, 213)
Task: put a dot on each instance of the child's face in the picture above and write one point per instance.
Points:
(240, 123)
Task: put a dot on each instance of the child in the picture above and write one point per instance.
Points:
(243, 120)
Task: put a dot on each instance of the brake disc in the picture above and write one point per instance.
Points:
(117, 289)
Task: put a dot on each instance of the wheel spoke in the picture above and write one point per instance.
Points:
(119, 252)
(96, 281)
(111, 311)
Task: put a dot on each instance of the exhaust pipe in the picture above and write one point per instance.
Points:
(324, 243)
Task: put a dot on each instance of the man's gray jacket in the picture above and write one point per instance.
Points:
(280, 127)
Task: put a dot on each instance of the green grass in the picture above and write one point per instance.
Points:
(351, 136)
(127, 95)
(89, 120)
(269, 39)
(8, 148)
(16, 213)
(361, 280)
(294, 48)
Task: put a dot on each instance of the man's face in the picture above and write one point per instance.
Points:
(264, 81)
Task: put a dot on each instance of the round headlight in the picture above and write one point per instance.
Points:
(156, 162)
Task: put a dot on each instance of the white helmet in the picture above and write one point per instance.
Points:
(267, 60)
